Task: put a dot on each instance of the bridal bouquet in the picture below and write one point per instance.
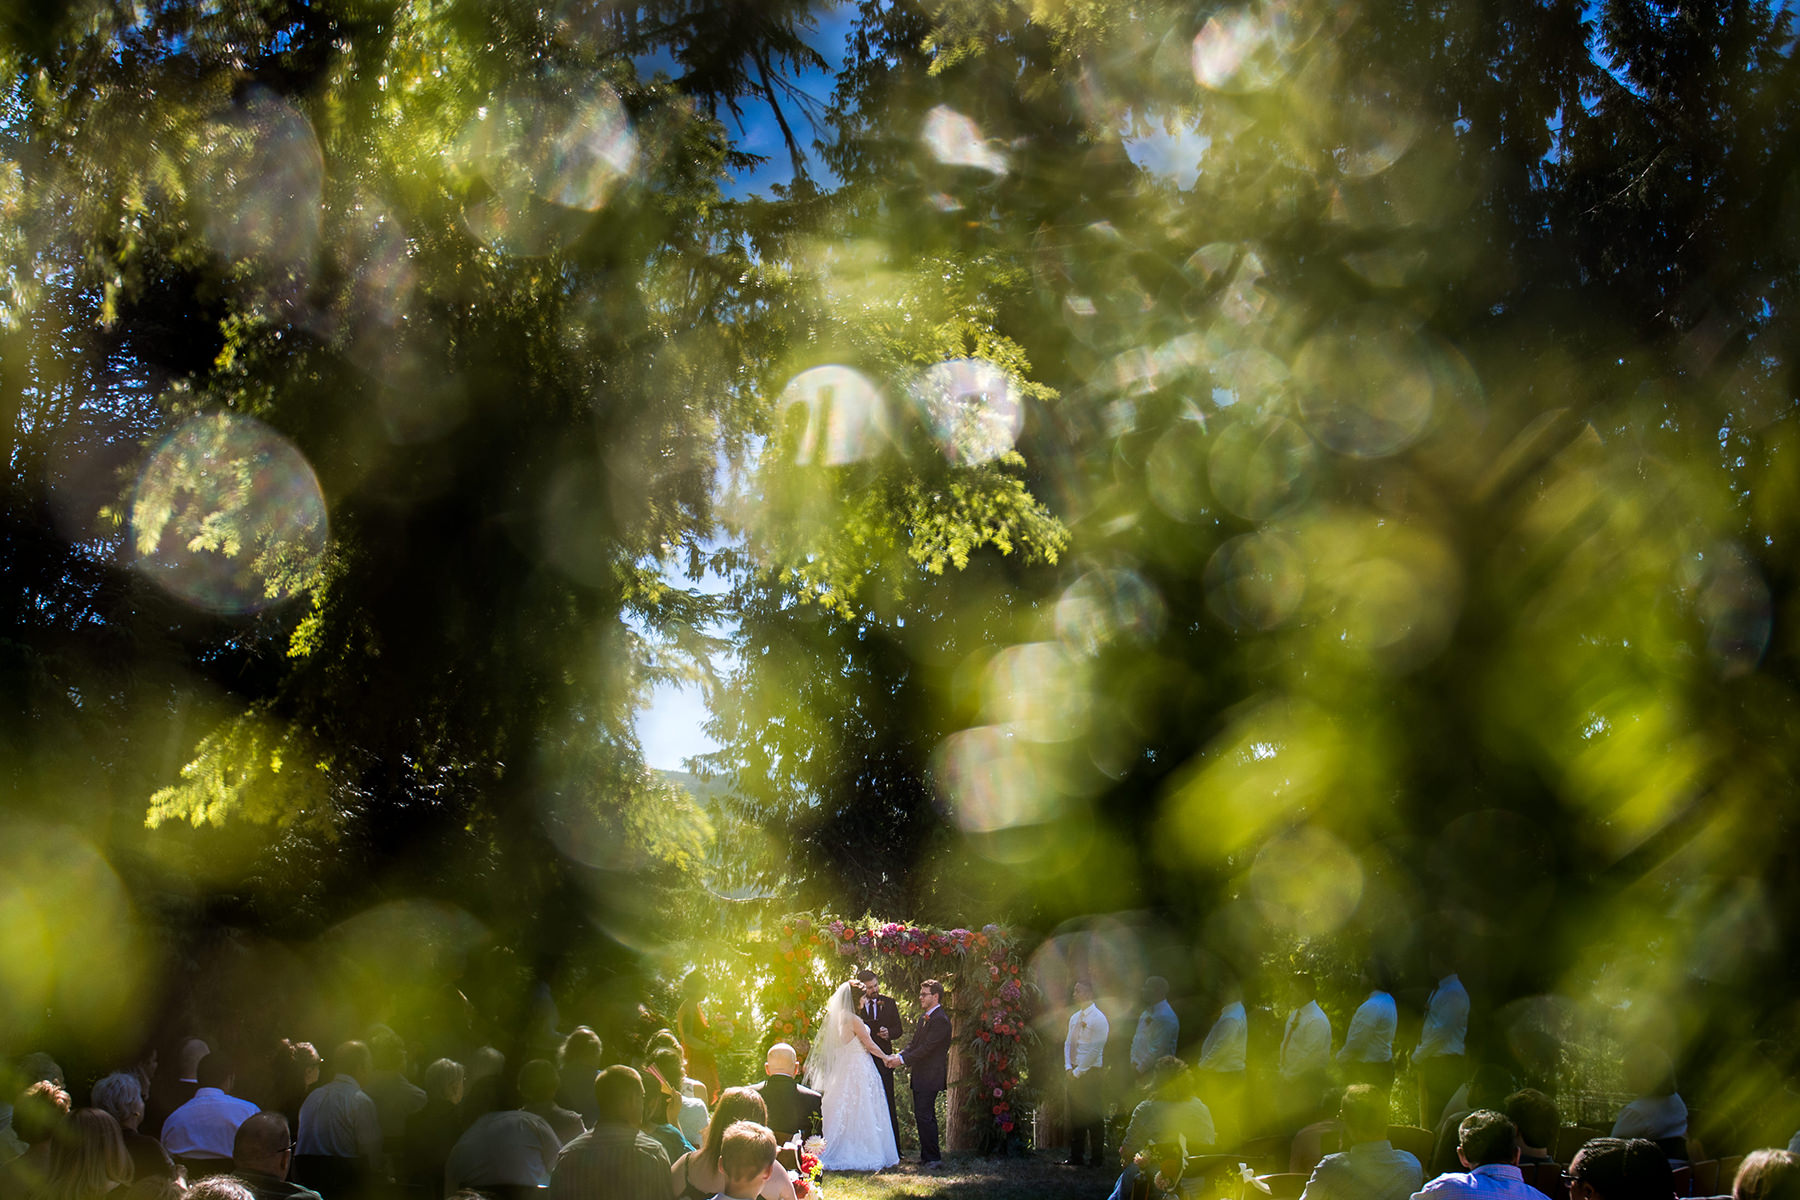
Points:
(806, 1179)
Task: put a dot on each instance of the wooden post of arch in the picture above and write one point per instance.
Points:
(961, 1111)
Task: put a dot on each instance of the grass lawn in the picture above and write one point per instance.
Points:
(972, 1177)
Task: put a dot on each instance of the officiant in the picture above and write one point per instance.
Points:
(882, 1016)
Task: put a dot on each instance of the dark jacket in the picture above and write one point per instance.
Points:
(793, 1108)
(927, 1056)
(887, 1016)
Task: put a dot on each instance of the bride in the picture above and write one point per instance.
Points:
(858, 1135)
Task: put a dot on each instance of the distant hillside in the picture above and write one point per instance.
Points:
(706, 792)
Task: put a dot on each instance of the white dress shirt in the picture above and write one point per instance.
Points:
(1158, 1029)
(1370, 1038)
(1306, 1044)
(1446, 1020)
(1085, 1047)
(339, 1119)
(1227, 1042)
(206, 1126)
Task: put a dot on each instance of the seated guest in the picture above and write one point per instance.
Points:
(200, 1132)
(1488, 1089)
(662, 1104)
(793, 1107)
(665, 1039)
(339, 1141)
(698, 1174)
(170, 1094)
(537, 1095)
(432, 1130)
(1488, 1148)
(481, 1089)
(1612, 1168)
(1658, 1112)
(747, 1156)
(1768, 1175)
(396, 1097)
(1533, 1114)
(88, 1159)
(576, 1065)
(685, 1113)
(508, 1149)
(218, 1187)
(121, 1094)
(1172, 1114)
(33, 1068)
(39, 1115)
(1369, 1168)
(613, 1159)
(261, 1156)
(294, 1068)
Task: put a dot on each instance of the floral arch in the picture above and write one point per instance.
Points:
(989, 995)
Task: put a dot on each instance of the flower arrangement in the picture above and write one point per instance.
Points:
(807, 1178)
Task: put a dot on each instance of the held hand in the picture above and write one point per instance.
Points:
(881, 1031)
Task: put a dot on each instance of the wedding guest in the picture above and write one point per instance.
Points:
(1440, 1062)
(1768, 1175)
(662, 1103)
(294, 1068)
(1158, 1029)
(200, 1132)
(1488, 1088)
(1305, 1054)
(170, 1095)
(1220, 1070)
(481, 1091)
(396, 1097)
(747, 1156)
(1084, 1061)
(1534, 1115)
(87, 1159)
(537, 1095)
(433, 1130)
(1171, 1115)
(218, 1187)
(1658, 1113)
(1369, 1168)
(262, 1154)
(1612, 1168)
(613, 1160)
(793, 1107)
(121, 1094)
(576, 1064)
(1488, 1148)
(339, 1142)
(1367, 1055)
(39, 1115)
(508, 1149)
(697, 1175)
(687, 1114)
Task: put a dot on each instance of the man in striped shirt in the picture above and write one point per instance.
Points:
(614, 1159)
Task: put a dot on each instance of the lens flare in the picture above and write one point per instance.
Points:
(261, 178)
(1307, 881)
(846, 416)
(972, 409)
(956, 141)
(1366, 386)
(1104, 608)
(1174, 474)
(1259, 469)
(228, 516)
(545, 157)
(1255, 581)
(1376, 131)
(1738, 614)
(1243, 49)
(993, 782)
(1036, 691)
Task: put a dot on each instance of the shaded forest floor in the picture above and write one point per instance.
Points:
(972, 1177)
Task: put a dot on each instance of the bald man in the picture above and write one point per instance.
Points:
(793, 1108)
(261, 1155)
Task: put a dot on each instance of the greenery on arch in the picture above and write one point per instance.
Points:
(990, 996)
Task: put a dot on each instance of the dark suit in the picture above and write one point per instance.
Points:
(886, 1016)
(927, 1056)
(792, 1107)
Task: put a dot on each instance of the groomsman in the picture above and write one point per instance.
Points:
(927, 1056)
(1084, 1060)
(882, 1016)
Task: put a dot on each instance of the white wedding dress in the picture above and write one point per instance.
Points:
(858, 1134)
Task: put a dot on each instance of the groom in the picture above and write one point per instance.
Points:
(882, 1016)
(927, 1056)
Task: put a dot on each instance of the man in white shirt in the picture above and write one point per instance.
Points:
(1220, 1070)
(1305, 1054)
(203, 1129)
(1440, 1062)
(1158, 1029)
(1084, 1056)
(339, 1142)
(1367, 1055)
